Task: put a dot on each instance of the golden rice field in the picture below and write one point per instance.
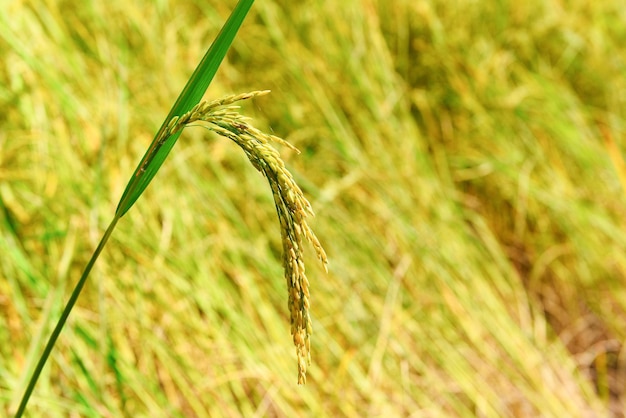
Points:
(465, 162)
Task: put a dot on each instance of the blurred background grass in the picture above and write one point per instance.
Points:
(464, 160)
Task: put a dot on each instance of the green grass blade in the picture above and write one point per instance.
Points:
(189, 97)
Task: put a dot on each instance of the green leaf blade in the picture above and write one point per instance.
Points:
(188, 98)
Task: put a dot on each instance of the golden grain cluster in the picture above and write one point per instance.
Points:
(221, 117)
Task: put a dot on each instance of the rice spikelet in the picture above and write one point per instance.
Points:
(293, 208)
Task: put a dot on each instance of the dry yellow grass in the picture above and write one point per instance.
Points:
(455, 154)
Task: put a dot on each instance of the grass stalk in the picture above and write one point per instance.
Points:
(63, 319)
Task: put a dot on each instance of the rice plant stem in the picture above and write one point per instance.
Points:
(61, 322)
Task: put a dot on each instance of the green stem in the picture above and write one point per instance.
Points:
(61, 322)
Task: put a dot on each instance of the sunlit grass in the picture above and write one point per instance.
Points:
(462, 160)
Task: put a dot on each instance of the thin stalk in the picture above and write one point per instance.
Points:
(61, 323)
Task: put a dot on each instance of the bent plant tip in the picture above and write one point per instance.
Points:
(221, 117)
